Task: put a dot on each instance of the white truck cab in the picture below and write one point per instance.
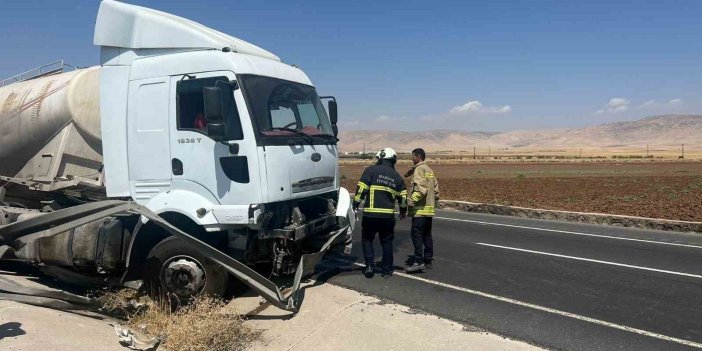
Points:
(273, 141)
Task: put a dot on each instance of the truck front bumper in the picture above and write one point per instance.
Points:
(318, 232)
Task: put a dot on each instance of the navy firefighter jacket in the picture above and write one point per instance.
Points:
(381, 186)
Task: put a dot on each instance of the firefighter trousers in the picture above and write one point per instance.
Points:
(385, 228)
(422, 240)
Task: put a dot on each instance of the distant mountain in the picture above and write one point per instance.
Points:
(657, 130)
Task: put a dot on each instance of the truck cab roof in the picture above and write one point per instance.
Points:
(121, 25)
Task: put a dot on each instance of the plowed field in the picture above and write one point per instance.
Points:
(671, 190)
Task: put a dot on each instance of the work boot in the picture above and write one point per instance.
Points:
(415, 267)
(368, 271)
(386, 274)
(428, 265)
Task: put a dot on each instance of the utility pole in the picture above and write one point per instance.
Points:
(581, 153)
(683, 151)
(488, 152)
(646, 150)
(474, 152)
(364, 149)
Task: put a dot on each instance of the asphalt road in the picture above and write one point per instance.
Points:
(558, 285)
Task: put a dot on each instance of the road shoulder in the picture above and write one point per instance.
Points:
(336, 318)
(25, 327)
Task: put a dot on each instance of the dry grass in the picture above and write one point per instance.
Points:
(206, 324)
(116, 303)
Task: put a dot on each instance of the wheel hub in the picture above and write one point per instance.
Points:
(184, 277)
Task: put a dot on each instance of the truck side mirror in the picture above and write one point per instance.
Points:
(333, 117)
(213, 104)
(214, 112)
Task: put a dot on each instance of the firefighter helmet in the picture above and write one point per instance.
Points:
(386, 154)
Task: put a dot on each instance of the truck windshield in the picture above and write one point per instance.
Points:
(282, 109)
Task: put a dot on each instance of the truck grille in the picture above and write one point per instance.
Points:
(312, 184)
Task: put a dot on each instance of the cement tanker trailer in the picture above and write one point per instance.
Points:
(50, 134)
(186, 157)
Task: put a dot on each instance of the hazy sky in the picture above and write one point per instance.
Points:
(488, 65)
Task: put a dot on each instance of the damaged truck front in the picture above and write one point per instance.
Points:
(185, 158)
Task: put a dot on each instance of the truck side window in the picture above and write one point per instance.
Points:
(190, 106)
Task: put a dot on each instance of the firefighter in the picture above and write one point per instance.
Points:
(423, 197)
(380, 187)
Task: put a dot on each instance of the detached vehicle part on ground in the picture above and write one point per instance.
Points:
(185, 158)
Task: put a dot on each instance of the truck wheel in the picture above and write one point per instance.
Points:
(175, 270)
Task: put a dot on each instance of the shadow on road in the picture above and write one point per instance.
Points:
(11, 329)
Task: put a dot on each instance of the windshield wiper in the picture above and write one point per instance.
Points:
(327, 136)
(298, 132)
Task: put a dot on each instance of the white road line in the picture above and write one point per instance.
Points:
(569, 232)
(547, 309)
(591, 260)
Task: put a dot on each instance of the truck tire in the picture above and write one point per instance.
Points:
(176, 271)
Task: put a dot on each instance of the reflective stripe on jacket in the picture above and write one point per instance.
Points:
(379, 188)
(424, 193)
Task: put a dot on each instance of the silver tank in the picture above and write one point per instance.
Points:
(50, 130)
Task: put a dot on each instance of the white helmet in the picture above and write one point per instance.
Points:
(387, 154)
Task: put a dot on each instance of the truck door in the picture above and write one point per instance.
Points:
(148, 145)
(222, 171)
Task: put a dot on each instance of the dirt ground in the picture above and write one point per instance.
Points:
(671, 190)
